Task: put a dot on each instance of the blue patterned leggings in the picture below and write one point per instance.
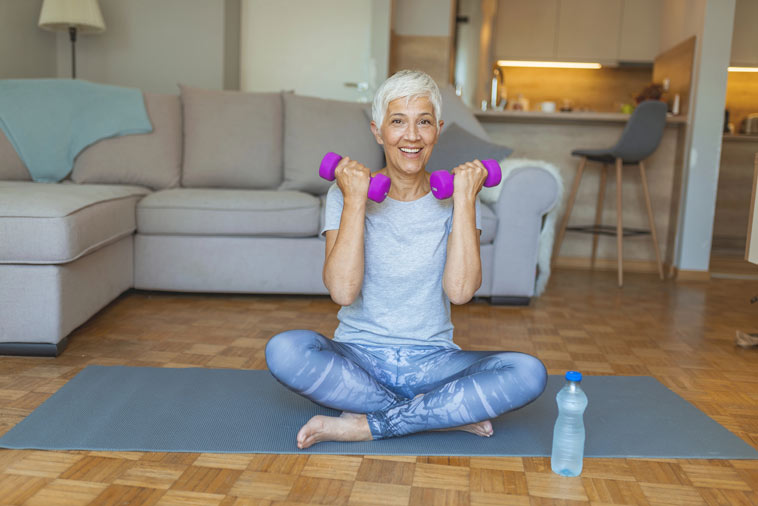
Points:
(459, 387)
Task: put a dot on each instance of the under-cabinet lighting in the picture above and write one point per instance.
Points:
(743, 69)
(549, 64)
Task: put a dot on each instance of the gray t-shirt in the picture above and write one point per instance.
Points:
(405, 246)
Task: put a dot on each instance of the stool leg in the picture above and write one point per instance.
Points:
(569, 206)
(619, 224)
(598, 212)
(650, 218)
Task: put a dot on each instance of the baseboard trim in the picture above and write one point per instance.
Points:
(687, 275)
(34, 349)
(606, 264)
(503, 300)
(640, 266)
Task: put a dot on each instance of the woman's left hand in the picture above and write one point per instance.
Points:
(469, 179)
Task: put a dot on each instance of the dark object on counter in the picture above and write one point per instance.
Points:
(750, 124)
(726, 121)
(640, 138)
(652, 91)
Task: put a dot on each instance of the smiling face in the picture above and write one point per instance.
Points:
(408, 133)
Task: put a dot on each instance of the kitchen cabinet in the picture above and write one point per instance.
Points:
(745, 36)
(580, 30)
(731, 218)
(640, 34)
(525, 30)
(588, 29)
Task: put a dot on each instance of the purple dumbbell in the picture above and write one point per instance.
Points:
(378, 187)
(442, 180)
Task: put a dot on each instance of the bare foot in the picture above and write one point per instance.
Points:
(483, 428)
(346, 427)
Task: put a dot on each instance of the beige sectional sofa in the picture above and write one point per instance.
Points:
(223, 196)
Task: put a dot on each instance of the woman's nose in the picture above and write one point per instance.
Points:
(412, 133)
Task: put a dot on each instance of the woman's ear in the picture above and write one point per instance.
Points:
(439, 132)
(377, 133)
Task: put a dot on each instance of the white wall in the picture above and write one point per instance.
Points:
(712, 22)
(156, 44)
(152, 45)
(467, 50)
(26, 51)
(315, 52)
(429, 18)
(381, 23)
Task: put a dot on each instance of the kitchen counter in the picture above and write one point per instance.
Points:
(740, 138)
(570, 117)
(552, 136)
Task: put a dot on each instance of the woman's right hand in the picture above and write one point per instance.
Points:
(353, 179)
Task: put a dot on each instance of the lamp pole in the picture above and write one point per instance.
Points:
(72, 36)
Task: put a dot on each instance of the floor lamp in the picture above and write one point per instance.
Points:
(74, 16)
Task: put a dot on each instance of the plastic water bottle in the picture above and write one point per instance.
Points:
(568, 435)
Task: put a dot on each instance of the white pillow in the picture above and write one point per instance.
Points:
(491, 195)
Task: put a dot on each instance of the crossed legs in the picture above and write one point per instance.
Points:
(389, 391)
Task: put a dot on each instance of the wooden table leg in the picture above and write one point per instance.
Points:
(569, 206)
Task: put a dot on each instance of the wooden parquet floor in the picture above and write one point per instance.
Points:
(680, 333)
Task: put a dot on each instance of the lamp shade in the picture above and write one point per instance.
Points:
(85, 15)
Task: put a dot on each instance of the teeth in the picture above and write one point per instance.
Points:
(410, 150)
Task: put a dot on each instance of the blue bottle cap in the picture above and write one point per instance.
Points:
(574, 376)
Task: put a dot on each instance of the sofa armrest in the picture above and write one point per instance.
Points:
(527, 194)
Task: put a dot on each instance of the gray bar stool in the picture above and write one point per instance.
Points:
(640, 138)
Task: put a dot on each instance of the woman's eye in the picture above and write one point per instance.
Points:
(396, 121)
(426, 122)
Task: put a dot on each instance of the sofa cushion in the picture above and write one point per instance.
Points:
(315, 126)
(187, 211)
(11, 166)
(232, 139)
(153, 160)
(43, 223)
(489, 225)
(457, 146)
(489, 222)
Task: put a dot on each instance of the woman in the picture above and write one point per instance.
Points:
(395, 267)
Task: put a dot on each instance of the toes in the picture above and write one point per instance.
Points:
(305, 433)
(486, 428)
(301, 435)
(306, 441)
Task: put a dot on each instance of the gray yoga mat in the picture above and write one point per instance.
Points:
(233, 411)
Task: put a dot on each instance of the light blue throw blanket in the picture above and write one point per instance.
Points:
(49, 121)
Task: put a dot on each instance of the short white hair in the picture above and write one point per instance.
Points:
(406, 84)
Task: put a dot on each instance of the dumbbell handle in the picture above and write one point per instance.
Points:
(442, 180)
(378, 187)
